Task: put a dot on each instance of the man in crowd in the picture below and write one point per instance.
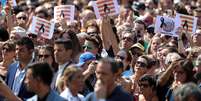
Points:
(106, 88)
(38, 79)
(63, 55)
(17, 70)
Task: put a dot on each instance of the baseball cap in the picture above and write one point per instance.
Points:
(84, 57)
(139, 46)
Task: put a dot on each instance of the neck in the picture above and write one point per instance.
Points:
(73, 91)
(61, 63)
(149, 97)
(43, 91)
(23, 64)
(110, 89)
(6, 63)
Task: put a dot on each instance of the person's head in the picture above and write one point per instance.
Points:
(187, 92)
(24, 49)
(46, 54)
(22, 19)
(154, 44)
(127, 40)
(8, 50)
(38, 76)
(125, 57)
(147, 85)
(106, 71)
(139, 28)
(183, 71)
(93, 44)
(41, 12)
(196, 38)
(63, 51)
(92, 27)
(197, 13)
(172, 57)
(136, 50)
(141, 65)
(17, 33)
(75, 41)
(73, 78)
(85, 59)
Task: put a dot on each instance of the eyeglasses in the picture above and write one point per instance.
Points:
(23, 17)
(127, 38)
(141, 64)
(45, 56)
(121, 57)
(32, 36)
(87, 47)
(143, 85)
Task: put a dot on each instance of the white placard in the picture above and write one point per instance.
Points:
(166, 25)
(187, 22)
(64, 11)
(42, 27)
(105, 8)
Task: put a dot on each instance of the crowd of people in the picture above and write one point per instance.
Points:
(114, 58)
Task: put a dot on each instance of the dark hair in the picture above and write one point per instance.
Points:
(96, 41)
(186, 91)
(66, 43)
(180, 8)
(113, 64)
(10, 45)
(141, 22)
(150, 79)
(27, 42)
(75, 41)
(4, 35)
(187, 66)
(42, 71)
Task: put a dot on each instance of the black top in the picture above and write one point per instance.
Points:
(117, 95)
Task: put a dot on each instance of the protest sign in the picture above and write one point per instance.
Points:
(105, 8)
(42, 27)
(64, 11)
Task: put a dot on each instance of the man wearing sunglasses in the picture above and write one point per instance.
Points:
(22, 19)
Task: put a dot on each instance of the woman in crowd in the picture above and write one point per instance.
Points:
(46, 54)
(8, 55)
(73, 84)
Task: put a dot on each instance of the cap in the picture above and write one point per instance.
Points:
(84, 57)
(138, 45)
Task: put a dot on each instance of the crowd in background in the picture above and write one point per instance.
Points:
(115, 58)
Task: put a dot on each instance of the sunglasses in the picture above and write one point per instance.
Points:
(143, 85)
(32, 36)
(121, 57)
(141, 64)
(127, 38)
(87, 47)
(45, 56)
(23, 17)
